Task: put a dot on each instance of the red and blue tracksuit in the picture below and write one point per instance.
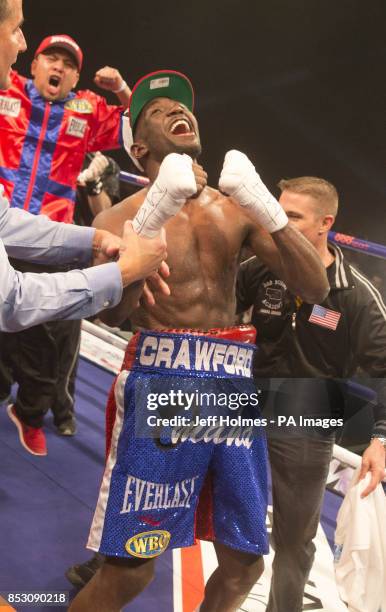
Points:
(43, 145)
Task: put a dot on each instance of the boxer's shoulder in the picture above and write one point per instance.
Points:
(114, 218)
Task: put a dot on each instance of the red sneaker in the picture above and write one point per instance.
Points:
(32, 438)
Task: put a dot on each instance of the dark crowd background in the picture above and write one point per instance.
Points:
(299, 85)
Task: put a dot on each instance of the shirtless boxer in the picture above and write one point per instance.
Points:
(205, 232)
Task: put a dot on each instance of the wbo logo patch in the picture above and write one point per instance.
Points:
(148, 544)
(79, 105)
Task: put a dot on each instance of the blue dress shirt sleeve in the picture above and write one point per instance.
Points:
(28, 299)
(40, 240)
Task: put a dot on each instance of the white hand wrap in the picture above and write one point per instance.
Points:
(95, 169)
(174, 184)
(240, 180)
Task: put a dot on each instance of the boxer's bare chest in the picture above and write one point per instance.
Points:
(204, 241)
(204, 238)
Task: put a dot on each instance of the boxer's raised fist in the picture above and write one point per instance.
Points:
(240, 180)
(175, 183)
(177, 177)
(236, 170)
(108, 78)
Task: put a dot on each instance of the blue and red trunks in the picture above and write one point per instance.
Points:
(156, 469)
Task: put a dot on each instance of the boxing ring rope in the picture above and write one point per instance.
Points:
(358, 245)
(134, 179)
(343, 240)
(104, 335)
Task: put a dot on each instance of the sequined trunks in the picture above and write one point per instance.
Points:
(156, 470)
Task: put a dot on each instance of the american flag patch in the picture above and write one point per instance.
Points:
(324, 317)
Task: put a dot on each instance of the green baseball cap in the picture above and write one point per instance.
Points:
(160, 84)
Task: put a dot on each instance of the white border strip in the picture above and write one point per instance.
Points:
(177, 580)
(98, 523)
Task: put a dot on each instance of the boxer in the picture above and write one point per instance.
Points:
(205, 231)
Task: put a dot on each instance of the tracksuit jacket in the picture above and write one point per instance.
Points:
(43, 145)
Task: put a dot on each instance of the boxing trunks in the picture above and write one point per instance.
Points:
(155, 470)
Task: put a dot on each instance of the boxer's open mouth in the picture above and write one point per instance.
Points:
(181, 127)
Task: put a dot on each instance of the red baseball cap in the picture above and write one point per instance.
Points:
(62, 41)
